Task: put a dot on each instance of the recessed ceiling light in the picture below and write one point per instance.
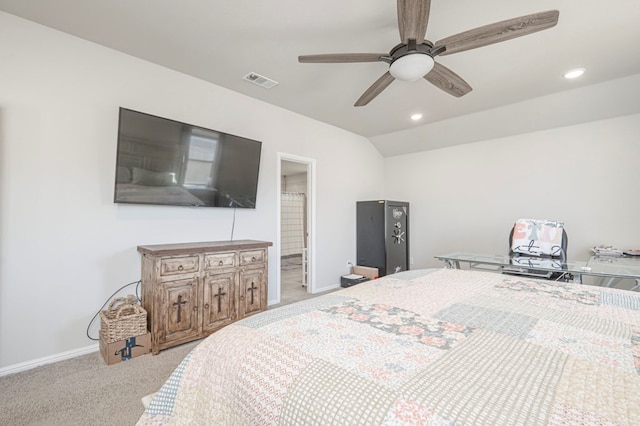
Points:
(574, 73)
(416, 116)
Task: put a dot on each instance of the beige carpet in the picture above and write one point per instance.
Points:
(85, 391)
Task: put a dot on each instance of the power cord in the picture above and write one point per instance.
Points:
(137, 283)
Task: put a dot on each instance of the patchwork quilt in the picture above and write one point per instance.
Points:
(428, 347)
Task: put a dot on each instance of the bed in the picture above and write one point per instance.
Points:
(437, 347)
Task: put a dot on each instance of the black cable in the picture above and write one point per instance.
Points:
(137, 283)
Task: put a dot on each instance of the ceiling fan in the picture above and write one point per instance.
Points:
(413, 58)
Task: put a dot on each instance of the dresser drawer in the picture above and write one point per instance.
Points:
(249, 257)
(179, 265)
(219, 260)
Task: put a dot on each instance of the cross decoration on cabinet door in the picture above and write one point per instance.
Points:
(219, 296)
(252, 289)
(179, 304)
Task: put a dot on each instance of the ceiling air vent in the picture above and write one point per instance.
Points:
(260, 80)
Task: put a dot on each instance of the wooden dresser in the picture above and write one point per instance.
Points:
(191, 290)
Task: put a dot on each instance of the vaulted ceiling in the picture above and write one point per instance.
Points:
(222, 41)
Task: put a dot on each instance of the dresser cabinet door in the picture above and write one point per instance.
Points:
(219, 307)
(252, 292)
(179, 315)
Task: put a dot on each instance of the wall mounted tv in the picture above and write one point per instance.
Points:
(166, 162)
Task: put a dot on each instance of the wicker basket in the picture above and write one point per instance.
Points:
(119, 322)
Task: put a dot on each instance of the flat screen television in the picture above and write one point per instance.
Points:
(166, 162)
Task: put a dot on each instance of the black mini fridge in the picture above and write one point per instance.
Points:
(382, 233)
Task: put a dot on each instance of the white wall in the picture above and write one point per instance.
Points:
(466, 198)
(64, 246)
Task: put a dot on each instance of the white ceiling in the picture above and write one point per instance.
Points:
(221, 41)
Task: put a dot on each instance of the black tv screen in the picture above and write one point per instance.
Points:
(166, 162)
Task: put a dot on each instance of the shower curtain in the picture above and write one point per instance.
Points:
(292, 226)
(293, 230)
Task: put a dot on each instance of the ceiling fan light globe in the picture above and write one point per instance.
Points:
(411, 67)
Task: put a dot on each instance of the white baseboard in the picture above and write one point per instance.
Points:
(327, 288)
(28, 365)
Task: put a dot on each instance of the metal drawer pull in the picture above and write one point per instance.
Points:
(180, 268)
(253, 258)
(220, 263)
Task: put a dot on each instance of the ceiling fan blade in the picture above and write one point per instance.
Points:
(413, 17)
(375, 89)
(499, 31)
(341, 57)
(447, 80)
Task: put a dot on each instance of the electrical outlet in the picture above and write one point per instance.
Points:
(411, 260)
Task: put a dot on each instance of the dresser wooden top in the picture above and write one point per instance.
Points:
(178, 248)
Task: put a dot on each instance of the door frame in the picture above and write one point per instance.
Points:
(311, 219)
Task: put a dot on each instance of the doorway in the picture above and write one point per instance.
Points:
(295, 228)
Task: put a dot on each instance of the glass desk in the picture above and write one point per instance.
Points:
(614, 268)
(611, 268)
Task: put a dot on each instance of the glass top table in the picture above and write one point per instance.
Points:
(600, 266)
(614, 267)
